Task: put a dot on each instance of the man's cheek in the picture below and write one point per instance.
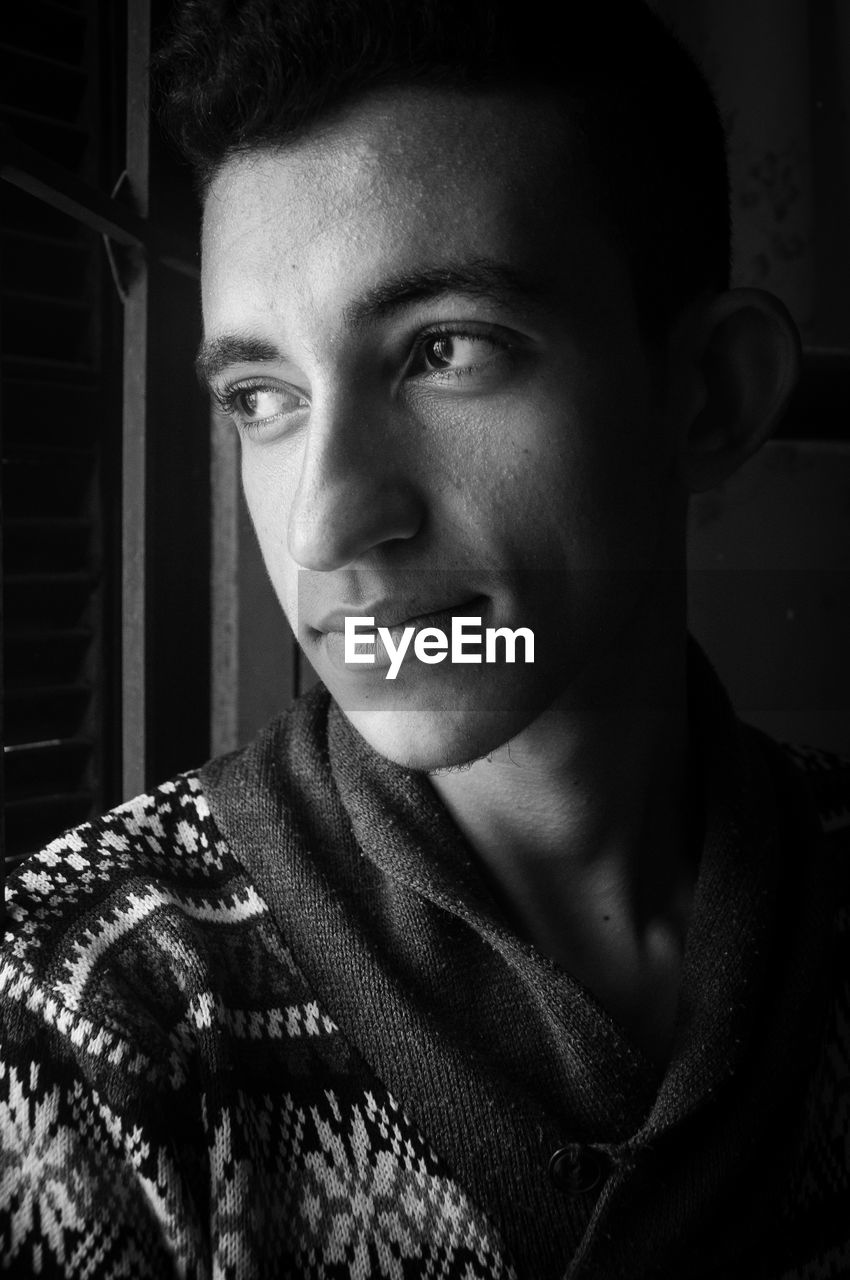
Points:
(274, 548)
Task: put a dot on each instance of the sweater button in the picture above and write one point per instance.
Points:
(576, 1169)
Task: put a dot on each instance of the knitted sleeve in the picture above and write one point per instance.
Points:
(174, 1101)
(99, 1152)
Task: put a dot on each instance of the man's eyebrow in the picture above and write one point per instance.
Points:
(481, 278)
(217, 354)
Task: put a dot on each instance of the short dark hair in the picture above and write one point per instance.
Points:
(236, 75)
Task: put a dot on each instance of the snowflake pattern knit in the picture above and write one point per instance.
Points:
(174, 1100)
(296, 1163)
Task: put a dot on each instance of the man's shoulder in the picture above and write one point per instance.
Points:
(164, 840)
(814, 800)
(825, 777)
(129, 935)
(103, 889)
(103, 885)
(85, 930)
(166, 835)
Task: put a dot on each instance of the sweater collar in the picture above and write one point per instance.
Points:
(740, 915)
(380, 901)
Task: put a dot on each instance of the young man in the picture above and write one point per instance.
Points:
(492, 967)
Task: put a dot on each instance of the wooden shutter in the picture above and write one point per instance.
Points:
(104, 437)
(59, 326)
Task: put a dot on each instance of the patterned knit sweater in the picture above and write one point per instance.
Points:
(268, 1022)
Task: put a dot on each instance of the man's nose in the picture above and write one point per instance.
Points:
(356, 488)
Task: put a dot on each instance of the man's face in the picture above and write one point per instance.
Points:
(428, 340)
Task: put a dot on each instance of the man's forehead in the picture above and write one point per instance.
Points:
(407, 145)
(405, 195)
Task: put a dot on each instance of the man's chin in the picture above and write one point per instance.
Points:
(421, 741)
(441, 718)
(449, 730)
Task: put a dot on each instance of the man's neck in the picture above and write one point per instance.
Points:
(581, 825)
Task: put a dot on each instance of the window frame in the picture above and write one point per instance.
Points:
(164, 451)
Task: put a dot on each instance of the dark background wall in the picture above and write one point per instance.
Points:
(770, 550)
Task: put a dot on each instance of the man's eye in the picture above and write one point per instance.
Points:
(457, 352)
(253, 406)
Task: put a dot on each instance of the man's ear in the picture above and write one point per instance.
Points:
(745, 350)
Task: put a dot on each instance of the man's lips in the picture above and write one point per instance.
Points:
(395, 615)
